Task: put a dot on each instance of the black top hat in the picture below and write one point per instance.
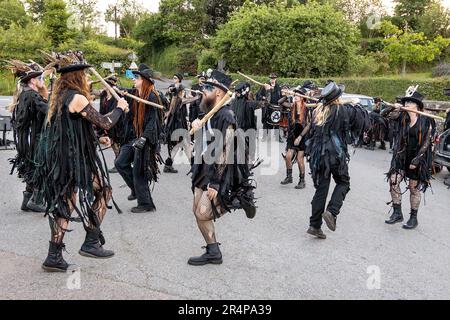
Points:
(331, 92)
(273, 75)
(219, 80)
(179, 76)
(71, 61)
(416, 98)
(242, 88)
(145, 72)
(300, 89)
(308, 84)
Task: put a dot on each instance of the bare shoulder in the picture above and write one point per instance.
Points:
(79, 102)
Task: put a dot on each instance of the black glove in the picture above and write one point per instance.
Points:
(139, 143)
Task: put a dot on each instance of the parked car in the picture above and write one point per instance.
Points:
(442, 150)
(366, 101)
(442, 147)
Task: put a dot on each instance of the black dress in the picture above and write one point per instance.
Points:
(414, 146)
(295, 129)
(27, 120)
(231, 180)
(67, 162)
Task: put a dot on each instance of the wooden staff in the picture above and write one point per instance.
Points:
(124, 93)
(107, 86)
(251, 79)
(213, 111)
(415, 111)
(195, 91)
(292, 93)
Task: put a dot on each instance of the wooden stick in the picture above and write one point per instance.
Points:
(124, 93)
(107, 86)
(251, 79)
(298, 95)
(213, 111)
(195, 91)
(415, 111)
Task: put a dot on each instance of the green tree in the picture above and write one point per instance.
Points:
(435, 20)
(305, 40)
(408, 12)
(55, 20)
(404, 47)
(36, 9)
(85, 11)
(23, 43)
(128, 13)
(12, 11)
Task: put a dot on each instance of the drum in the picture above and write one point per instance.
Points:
(273, 115)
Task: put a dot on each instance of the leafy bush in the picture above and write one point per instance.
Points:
(441, 70)
(96, 52)
(207, 59)
(374, 63)
(308, 40)
(174, 59)
(23, 43)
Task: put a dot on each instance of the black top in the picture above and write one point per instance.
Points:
(327, 143)
(68, 162)
(244, 110)
(27, 121)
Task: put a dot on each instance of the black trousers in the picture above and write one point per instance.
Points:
(136, 181)
(337, 199)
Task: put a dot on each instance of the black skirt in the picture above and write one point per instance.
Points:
(294, 132)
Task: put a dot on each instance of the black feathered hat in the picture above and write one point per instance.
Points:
(24, 71)
(416, 97)
(71, 61)
(219, 80)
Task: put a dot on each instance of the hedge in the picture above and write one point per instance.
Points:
(385, 87)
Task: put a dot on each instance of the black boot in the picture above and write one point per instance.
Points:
(34, 206)
(168, 166)
(396, 216)
(412, 222)
(55, 261)
(288, 178)
(113, 170)
(92, 246)
(143, 208)
(132, 196)
(301, 183)
(26, 197)
(170, 169)
(316, 232)
(212, 255)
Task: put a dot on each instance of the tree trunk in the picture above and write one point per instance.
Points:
(404, 68)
